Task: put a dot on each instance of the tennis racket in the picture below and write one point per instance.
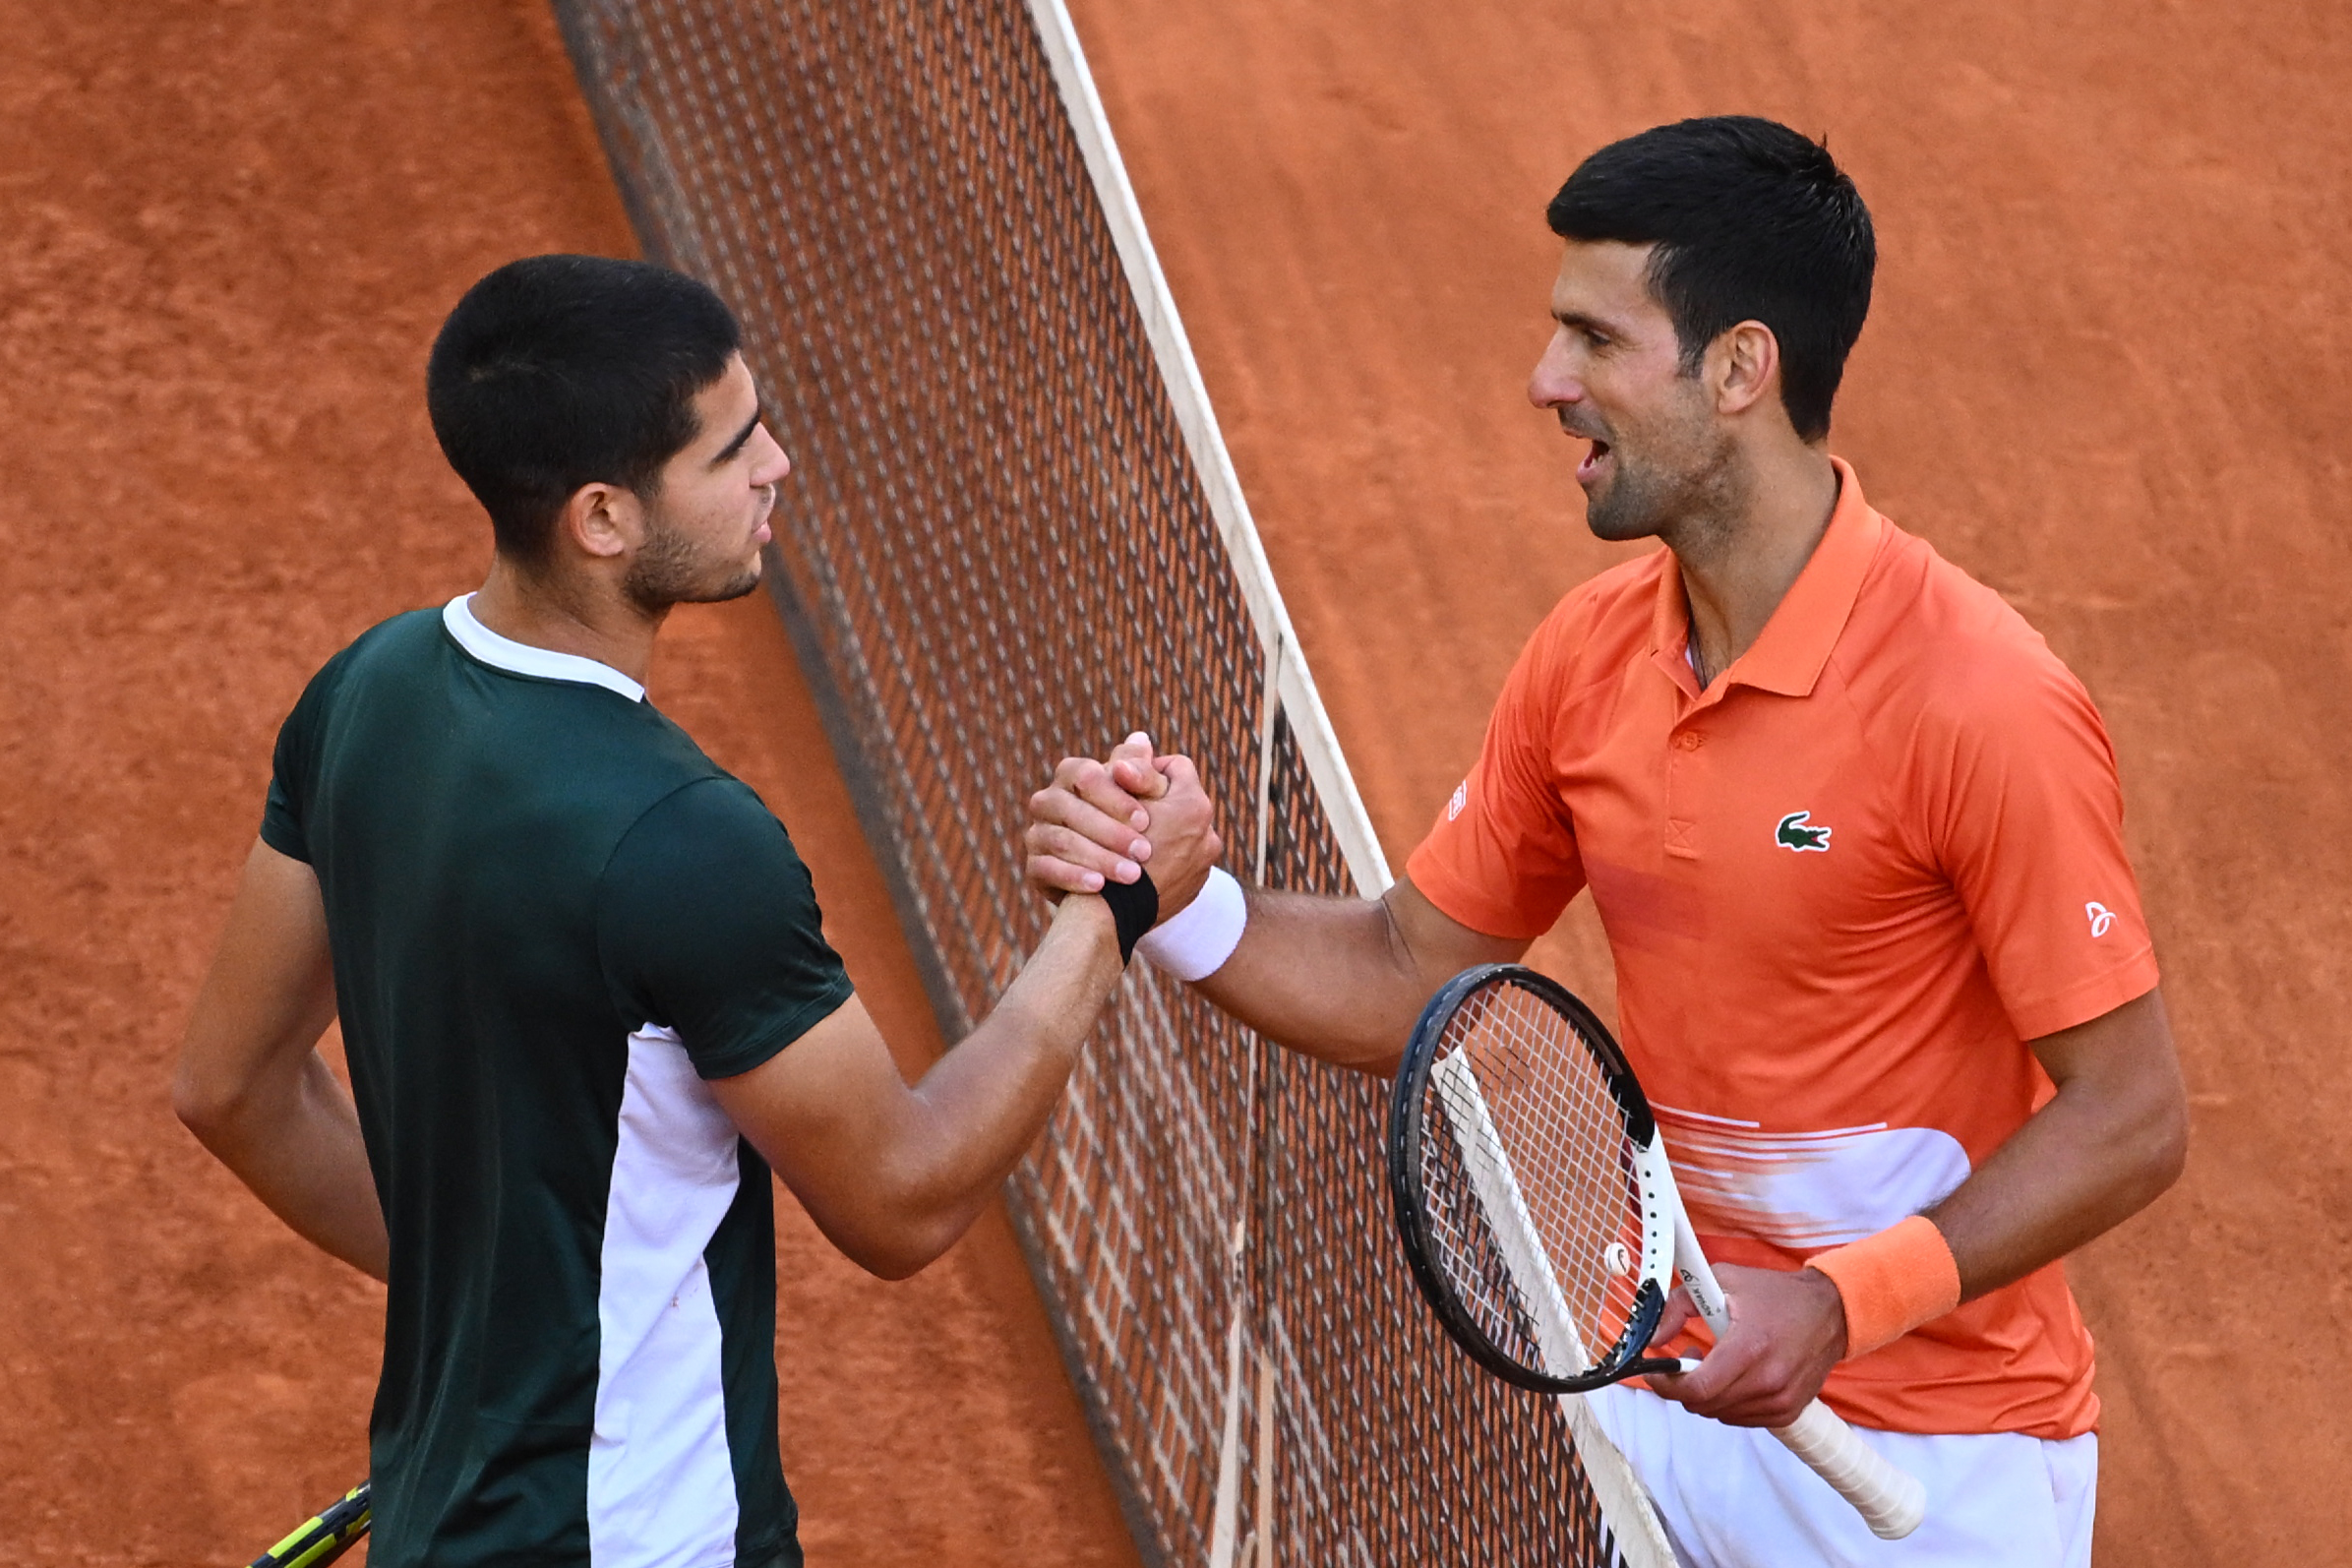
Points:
(324, 1535)
(1541, 1219)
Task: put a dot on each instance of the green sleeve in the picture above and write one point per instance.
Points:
(708, 923)
(293, 768)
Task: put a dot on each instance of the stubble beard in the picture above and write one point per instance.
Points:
(670, 570)
(1693, 503)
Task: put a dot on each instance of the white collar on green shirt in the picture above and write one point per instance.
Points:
(504, 653)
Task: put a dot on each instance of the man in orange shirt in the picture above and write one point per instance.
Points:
(1855, 835)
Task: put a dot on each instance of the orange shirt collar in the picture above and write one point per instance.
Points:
(1797, 640)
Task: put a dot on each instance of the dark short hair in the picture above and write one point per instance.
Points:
(556, 371)
(1752, 222)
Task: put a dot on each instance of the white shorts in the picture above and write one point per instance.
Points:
(1732, 1498)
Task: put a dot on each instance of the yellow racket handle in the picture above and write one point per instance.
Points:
(324, 1535)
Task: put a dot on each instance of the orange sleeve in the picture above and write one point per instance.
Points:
(1502, 856)
(2028, 814)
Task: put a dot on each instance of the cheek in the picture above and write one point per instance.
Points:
(1661, 413)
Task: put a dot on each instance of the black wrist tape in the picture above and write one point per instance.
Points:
(1134, 910)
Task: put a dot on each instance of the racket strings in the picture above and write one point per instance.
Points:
(1529, 1180)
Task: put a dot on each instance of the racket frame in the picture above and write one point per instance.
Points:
(1890, 1499)
(1524, 1255)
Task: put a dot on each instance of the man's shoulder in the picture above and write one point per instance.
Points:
(1604, 619)
(707, 809)
(1931, 639)
(399, 641)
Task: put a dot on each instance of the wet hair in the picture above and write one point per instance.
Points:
(1751, 222)
(556, 371)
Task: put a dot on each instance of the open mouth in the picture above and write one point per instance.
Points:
(1589, 469)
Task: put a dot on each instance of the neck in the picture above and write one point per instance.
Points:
(1736, 569)
(542, 609)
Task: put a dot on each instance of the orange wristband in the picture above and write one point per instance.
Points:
(1892, 1282)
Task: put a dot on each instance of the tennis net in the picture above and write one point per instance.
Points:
(1012, 534)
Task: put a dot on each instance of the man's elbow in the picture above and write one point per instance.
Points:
(2166, 1149)
(891, 1235)
(2148, 1152)
(205, 1106)
(904, 1247)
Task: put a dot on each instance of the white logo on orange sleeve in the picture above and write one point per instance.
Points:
(1453, 808)
(2101, 917)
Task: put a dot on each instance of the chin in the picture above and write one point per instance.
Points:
(1613, 525)
(1624, 508)
(737, 586)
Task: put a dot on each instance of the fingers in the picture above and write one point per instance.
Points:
(1111, 830)
(1183, 830)
(1088, 825)
(1077, 849)
(1054, 877)
(1094, 783)
(1131, 763)
(1178, 773)
(1702, 1388)
(1741, 1383)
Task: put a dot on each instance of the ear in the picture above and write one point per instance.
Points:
(602, 520)
(1744, 366)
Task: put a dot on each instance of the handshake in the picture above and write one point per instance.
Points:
(1116, 820)
(1337, 978)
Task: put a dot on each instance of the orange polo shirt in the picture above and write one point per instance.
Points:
(1844, 886)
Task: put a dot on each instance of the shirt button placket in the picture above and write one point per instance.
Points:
(1679, 818)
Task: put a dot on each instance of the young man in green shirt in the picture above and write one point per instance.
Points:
(584, 992)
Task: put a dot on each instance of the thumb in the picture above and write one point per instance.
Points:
(1179, 771)
(1131, 768)
(1678, 1314)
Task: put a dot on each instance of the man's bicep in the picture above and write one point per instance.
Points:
(270, 991)
(2128, 1047)
(1439, 945)
(824, 1111)
(710, 924)
(1502, 854)
(2029, 829)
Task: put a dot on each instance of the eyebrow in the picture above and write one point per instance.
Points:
(741, 436)
(1577, 318)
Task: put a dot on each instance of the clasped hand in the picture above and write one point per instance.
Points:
(1106, 821)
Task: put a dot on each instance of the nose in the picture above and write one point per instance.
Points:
(1554, 382)
(772, 465)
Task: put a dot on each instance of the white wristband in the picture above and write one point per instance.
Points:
(1195, 942)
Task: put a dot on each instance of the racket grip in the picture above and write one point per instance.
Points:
(1889, 1498)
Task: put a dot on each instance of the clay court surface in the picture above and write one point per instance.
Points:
(2106, 372)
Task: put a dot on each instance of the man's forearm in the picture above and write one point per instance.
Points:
(1325, 976)
(295, 1141)
(1343, 979)
(2112, 1139)
(985, 1103)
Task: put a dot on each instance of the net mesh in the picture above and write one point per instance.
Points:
(995, 551)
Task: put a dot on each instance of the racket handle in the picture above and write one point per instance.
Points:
(1890, 1499)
